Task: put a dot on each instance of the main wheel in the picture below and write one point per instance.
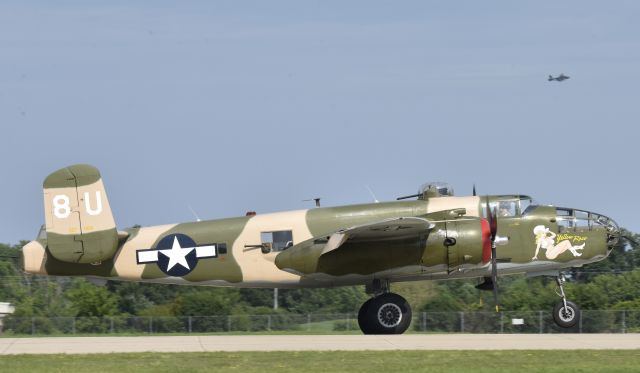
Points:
(566, 317)
(363, 319)
(388, 314)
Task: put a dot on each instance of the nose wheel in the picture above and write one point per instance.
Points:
(387, 313)
(565, 313)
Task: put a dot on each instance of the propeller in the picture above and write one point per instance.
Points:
(474, 190)
(493, 227)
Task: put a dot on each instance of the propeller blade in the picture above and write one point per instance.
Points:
(474, 190)
(493, 223)
(493, 226)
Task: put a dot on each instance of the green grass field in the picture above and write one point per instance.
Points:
(319, 327)
(340, 361)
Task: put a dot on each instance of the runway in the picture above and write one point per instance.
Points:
(235, 343)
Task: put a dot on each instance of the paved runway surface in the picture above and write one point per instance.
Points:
(84, 345)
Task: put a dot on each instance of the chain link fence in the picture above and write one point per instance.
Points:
(590, 321)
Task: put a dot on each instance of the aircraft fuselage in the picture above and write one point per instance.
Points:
(237, 258)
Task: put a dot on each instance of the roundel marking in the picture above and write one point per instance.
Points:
(176, 254)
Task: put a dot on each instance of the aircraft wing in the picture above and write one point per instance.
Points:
(391, 229)
(305, 256)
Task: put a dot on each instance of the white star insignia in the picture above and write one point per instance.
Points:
(177, 254)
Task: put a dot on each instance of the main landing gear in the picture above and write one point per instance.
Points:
(565, 313)
(385, 313)
(389, 313)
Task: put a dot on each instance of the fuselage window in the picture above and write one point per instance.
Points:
(277, 240)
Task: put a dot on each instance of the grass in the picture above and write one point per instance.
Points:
(141, 334)
(318, 327)
(134, 334)
(338, 326)
(336, 361)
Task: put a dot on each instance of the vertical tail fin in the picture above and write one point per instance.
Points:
(79, 224)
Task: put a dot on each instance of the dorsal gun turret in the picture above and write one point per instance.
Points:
(435, 189)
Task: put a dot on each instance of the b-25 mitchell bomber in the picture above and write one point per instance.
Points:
(436, 236)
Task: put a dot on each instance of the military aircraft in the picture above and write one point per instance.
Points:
(558, 78)
(435, 236)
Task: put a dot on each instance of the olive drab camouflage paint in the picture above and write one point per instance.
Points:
(433, 237)
(436, 236)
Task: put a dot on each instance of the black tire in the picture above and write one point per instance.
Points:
(363, 320)
(566, 318)
(388, 314)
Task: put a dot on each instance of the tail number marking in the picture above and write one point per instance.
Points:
(87, 204)
(62, 210)
(61, 207)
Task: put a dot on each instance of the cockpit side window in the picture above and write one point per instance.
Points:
(583, 219)
(566, 224)
(565, 220)
(501, 208)
(525, 203)
(507, 208)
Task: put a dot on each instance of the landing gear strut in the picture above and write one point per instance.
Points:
(385, 313)
(565, 313)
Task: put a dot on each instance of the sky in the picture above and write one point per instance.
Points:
(229, 106)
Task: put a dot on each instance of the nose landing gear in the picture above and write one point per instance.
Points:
(565, 313)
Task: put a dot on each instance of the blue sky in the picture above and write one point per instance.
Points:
(235, 106)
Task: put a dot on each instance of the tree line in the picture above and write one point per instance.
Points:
(609, 284)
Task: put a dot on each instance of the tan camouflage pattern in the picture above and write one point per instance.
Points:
(257, 267)
(144, 238)
(230, 252)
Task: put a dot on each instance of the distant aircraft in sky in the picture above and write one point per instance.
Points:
(558, 78)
